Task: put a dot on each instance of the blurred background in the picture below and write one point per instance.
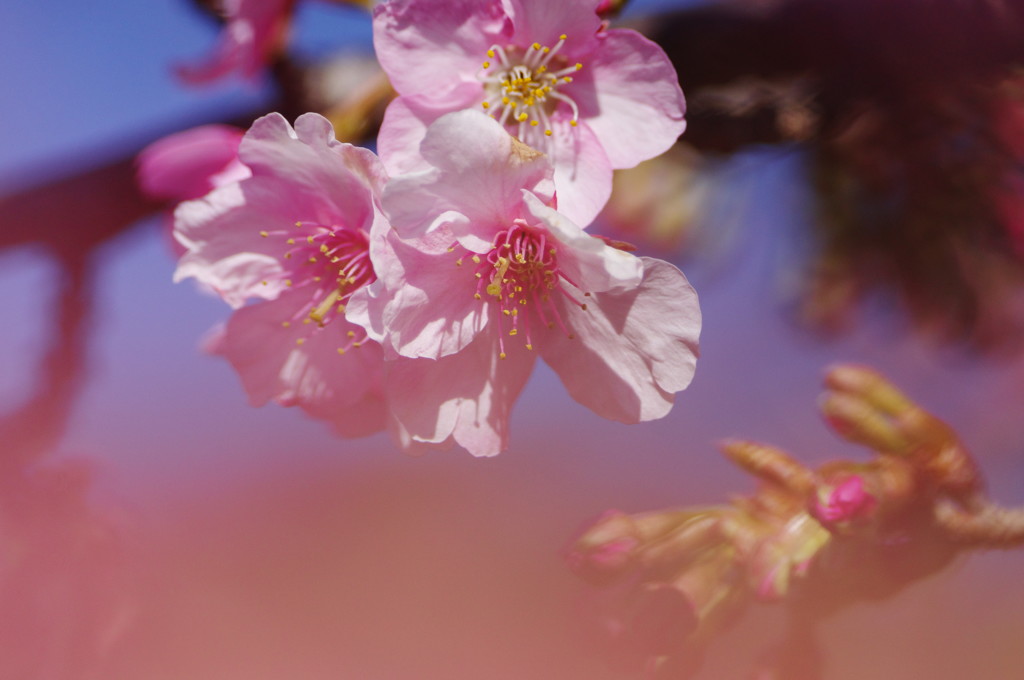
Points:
(849, 192)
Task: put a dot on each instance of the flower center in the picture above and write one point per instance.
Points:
(520, 272)
(522, 90)
(331, 262)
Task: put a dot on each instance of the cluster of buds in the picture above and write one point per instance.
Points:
(813, 540)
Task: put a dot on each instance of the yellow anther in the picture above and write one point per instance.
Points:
(547, 132)
(536, 46)
(287, 256)
(458, 262)
(291, 241)
(298, 224)
(572, 123)
(490, 53)
(522, 117)
(487, 64)
(351, 334)
(476, 259)
(312, 259)
(264, 234)
(486, 105)
(529, 346)
(286, 324)
(506, 312)
(534, 123)
(563, 37)
(307, 321)
(513, 331)
(494, 287)
(502, 355)
(264, 283)
(341, 350)
(324, 249)
(579, 66)
(300, 341)
(309, 240)
(287, 282)
(476, 296)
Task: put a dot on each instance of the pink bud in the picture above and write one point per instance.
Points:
(191, 163)
(848, 500)
(605, 549)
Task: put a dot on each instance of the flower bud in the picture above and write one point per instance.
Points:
(191, 163)
(846, 501)
(607, 549)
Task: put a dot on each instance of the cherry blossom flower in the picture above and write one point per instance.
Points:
(490, 275)
(591, 98)
(294, 237)
(253, 33)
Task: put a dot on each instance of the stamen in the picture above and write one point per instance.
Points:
(523, 92)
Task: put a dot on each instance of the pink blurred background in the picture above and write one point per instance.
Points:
(171, 531)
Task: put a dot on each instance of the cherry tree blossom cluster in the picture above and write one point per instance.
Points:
(414, 291)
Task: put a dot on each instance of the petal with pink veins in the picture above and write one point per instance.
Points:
(545, 21)
(344, 389)
(589, 261)
(632, 350)
(637, 110)
(478, 171)
(429, 47)
(466, 396)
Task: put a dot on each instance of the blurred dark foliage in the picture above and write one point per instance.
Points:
(907, 109)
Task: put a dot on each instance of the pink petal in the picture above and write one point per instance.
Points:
(405, 125)
(589, 261)
(583, 173)
(191, 163)
(543, 21)
(633, 350)
(479, 173)
(343, 389)
(430, 310)
(429, 46)
(320, 177)
(638, 108)
(221, 234)
(467, 396)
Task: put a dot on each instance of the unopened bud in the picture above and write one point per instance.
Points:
(606, 549)
(847, 501)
